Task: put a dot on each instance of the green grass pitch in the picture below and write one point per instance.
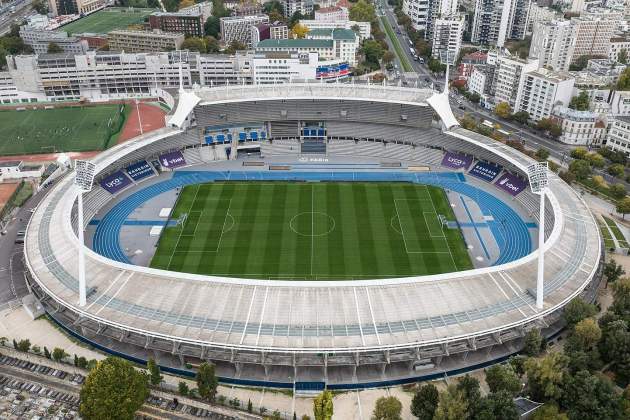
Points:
(107, 20)
(311, 231)
(68, 129)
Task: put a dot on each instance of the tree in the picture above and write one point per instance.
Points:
(300, 31)
(497, 406)
(362, 11)
(323, 406)
(24, 345)
(388, 57)
(590, 397)
(212, 44)
(623, 83)
(185, 3)
(503, 378)
(436, 66)
(59, 354)
(182, 388)
(580, 102)
(503, 110)
(207, 381)
(579, 153)
(425, 402)
(41, 7)
(54, 48)
(295, 18)
(542, 154)
(471, 392)
(47, 354)
(373, 52)
(387, 408)
(596, 160)
(521, 117)
(577, 310)
(549, 412)
(82, 362)
(586, 334)
(194, 43)
(580, 168)
(621, 299)
(546, 375)
(618, 191)
(451, 405)
(212, 27)
(154, 372)
(532, 342)
(617, 170)
(613, 271)
(235, 46)
(114, 389)
(623, 207)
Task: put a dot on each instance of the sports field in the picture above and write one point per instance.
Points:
(69, 129)
(312, 231)
(107, 20)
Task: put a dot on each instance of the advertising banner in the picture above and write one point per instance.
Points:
(115, 182)
(456, 160)
(139, 170)
(172, 160)
(511, 184)
(486, 171)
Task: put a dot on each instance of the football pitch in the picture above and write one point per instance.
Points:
(312, 231)
(67, 129)
(107, 20)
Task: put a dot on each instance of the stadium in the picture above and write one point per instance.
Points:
(307, 234)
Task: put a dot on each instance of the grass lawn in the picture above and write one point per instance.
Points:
(608, 241)
(399, 51)
(107, 20)
(68, 129)
(312, 231)
(616, 231)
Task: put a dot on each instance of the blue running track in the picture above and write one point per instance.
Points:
(508, 228)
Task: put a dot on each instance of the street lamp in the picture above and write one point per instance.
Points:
(538, 181)
(83, 178)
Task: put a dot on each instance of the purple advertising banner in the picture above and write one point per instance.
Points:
(172, 160)
(486, 171)
(456, 160)
(511, 183)
(115, 182)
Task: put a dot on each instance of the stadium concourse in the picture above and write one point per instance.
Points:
(296, 333)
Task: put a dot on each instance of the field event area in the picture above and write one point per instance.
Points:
(107, 20)
(66, 129)
(312, 231)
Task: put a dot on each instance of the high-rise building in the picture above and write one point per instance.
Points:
(508, 77)
(593, 32)
(541, 90)
(423, 13)
(447, 37)
(538, 13)
(496, 21)
(189, 20)
(238, 28)
(553, 43)
(290, 7)
(74, 7)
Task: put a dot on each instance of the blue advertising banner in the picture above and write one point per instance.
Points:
(140, 170)
(486, 171)
(115, 182)
(172, 160)
(511, 184)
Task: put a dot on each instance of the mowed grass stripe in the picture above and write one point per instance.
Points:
(262, 243)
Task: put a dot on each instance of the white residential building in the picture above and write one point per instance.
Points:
(364, 28)
(40, 39)
(496, 21)
(478, 80)
(539, 14)
(74, 7)
(423, 13)
(286, 67)
(290, 7)
(238, 28)
(553, 43)
(447, 37)
(541, 90)
(592, 34)
(509, 76)
(618, 137)
(620, 103)
(618, 44)
(579, 128)
(332, 14)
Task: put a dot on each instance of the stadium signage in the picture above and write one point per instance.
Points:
(115, 182)
(511, 184)
(139, 170)
(486, 171)
(456, 160)
(172, 160)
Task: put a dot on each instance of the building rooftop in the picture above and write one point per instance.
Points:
(295, 43)
(551, 75)
(574, 114)
(10, 164)
(333, 33)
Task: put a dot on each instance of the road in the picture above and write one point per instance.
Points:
(22, 9)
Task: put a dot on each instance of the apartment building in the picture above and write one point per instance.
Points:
(579, 128)
(144, 41)
(345, 42)
(290, 7)
(509, 75)
(447, 37)
(238, 28)
(75, 7)
(496, 21)
(188, 21)
(283, 67)
(424, 13)
(264, 31)
(553, 44)
(539, 14)
(332, 14)
(542, 90)
(593, 33)
(40, 39)
(363, 28)
(617, 45)
(618, 138)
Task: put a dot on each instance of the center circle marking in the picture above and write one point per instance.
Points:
(316, 223)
